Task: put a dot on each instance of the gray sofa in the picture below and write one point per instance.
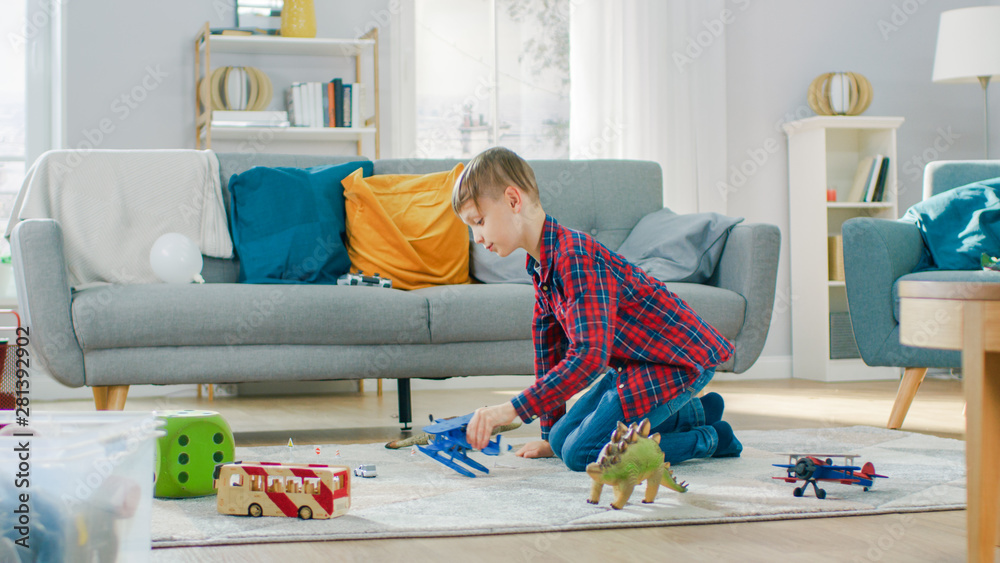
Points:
(224, 332)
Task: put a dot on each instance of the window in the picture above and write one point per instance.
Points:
(12, 113)
(511, 89)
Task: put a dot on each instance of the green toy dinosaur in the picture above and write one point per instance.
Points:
(989, 262)
(631, 457)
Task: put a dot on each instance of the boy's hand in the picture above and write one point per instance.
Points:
(484, 420)
(538, 448)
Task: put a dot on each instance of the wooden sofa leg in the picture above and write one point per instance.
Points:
(116, 397)
(912, 378)
(100, 397)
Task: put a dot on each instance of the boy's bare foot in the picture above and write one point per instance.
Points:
(538, 448)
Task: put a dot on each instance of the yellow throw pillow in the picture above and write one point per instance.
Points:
(402, 227)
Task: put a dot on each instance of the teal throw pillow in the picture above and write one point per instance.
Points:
(959, 225)
(288, 223)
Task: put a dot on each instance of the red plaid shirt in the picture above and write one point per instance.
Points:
(594, 310)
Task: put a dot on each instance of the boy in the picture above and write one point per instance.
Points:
(597, 318)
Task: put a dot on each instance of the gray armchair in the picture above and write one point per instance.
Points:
(878, 254)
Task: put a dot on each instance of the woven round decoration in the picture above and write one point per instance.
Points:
(840, 93)
(263, 86)
(216, 88)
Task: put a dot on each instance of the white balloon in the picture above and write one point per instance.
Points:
(176, 259)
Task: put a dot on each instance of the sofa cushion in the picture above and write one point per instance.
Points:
(682, 248)
(982, 276)
(724, 309)
(479, 312)
(489, 267)
(959, 225)
(220, 314)
(402, 227)
(503, 311)
(288, 223)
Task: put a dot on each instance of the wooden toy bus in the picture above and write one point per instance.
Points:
(283, 489)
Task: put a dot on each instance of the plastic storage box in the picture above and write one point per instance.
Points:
(80, 489)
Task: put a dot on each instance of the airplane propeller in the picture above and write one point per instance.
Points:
(805, 468)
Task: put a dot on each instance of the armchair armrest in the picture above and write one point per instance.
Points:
(876, 253)
(749, 266)
(43, 298)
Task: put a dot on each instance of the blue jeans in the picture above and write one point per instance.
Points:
(578, 437)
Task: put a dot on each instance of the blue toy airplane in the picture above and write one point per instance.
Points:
(448, 445)
(811, 468)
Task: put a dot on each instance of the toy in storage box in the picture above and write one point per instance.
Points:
(8, 359)
(87, 479)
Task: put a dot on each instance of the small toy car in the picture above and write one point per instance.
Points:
(361, 279)
(366, 470)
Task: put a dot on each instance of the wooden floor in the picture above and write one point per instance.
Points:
(359, 418)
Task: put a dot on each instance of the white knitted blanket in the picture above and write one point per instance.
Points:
(113, 204)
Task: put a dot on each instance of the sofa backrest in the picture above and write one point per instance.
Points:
(943, 175)
(605, 198)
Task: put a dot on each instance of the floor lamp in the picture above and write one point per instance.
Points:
(968, 50)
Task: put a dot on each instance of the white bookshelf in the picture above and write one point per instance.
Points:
(823, 153)
(295, 47)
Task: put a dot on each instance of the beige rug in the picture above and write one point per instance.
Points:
(416, 496)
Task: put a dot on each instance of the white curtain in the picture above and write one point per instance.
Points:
(648, 82)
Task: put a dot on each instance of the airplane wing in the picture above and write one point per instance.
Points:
(841, 468)
(443, 425)
(448, 445)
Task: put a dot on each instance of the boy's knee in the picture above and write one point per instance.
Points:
(576, 459)
(576, 464)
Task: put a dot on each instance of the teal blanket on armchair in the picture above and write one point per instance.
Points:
(959, 225)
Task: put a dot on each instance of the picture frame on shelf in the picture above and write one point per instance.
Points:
(259, 14)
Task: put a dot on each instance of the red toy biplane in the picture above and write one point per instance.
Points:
(811, 468)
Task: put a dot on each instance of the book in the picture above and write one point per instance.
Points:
(241, 31)
(325, 92)
(356, 120)
(333, 105)
(311, 103)
(882, 178)
(338, 94)
(862, 175)
(873, 179)
(317, 104)
(224, 118)
(306, 104)
(299, 103)
(347, 105)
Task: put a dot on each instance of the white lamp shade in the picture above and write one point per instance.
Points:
(968, 45)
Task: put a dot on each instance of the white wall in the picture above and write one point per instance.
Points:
(130, 65)
(774, 49)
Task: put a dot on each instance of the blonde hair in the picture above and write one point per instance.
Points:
(489, 174)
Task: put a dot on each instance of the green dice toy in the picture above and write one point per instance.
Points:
(186, 457)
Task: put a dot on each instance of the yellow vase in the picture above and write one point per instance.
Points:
(298, 19)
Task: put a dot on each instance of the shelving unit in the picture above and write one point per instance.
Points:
(206, 44)
(823, 153)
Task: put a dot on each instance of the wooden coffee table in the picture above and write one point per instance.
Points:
(966, 317)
